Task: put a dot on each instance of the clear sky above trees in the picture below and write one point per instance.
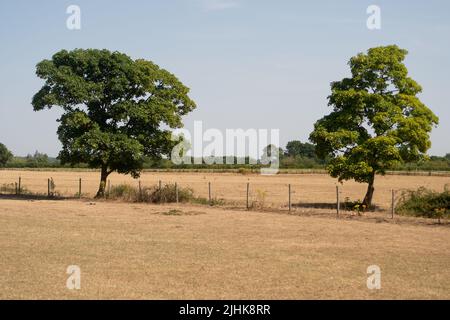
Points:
(228, 55)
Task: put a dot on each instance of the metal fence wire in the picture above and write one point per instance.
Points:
(292, 193)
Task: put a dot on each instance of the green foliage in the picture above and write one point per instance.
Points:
(301, 155)
(5, 155)
(298, 149)
(116, 110)
(377, 120)
(288, 162)
(434, 163)
(425, 203)
(38, 160)
(41, 162)
(357, 205)
(123, 192)
(167, 194)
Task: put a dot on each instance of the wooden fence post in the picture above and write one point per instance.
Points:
(393, 204)
(48, 188)
(209, 193)
(20, 185)
(176, 192)
(79, 189)
(248, 191)
(289, 197)
(337, 201)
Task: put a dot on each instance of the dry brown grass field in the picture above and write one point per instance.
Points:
(141, 251)
(271, 190)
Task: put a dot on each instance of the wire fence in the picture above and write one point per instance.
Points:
(291, 194)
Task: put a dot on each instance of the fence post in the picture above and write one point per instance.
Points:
(176, 192)
(248, 191)
(289, 197)
(140, 191)
(209, 193)
(20, 185)
(79, 189)
(337, 201)
(393, 204)
(48, 188)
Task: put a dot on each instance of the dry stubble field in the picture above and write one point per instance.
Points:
(273, 190)
(139, 251)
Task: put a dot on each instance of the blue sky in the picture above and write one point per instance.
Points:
(249, 64)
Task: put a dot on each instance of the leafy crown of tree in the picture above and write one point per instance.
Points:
(377, 119)
(116, 110)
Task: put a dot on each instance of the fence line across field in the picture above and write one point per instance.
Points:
(293, 193)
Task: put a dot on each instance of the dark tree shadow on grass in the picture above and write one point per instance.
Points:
(31, 197)
(331, 206)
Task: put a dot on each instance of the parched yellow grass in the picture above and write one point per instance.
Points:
(306, 188)
(138, 251)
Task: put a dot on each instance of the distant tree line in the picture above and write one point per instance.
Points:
(296, 155)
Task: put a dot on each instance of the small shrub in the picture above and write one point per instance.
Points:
(357, 206)
(167, 194)
(123, 192)
(244, 171)
(425, 203)
(260, 201)
(8, 188)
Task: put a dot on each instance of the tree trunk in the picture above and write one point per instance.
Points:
(369, 194)
(103, 177)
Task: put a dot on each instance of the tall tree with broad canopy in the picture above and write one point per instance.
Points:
(5, 155)
(377, 120)
(116, 110)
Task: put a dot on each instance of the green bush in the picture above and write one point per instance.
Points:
(167, 194)
(123, 192)
(425, 203)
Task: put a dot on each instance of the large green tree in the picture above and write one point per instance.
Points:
(5, 155)
(116, 110)
(377, 120)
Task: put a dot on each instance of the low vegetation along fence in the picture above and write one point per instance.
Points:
(248, 195)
